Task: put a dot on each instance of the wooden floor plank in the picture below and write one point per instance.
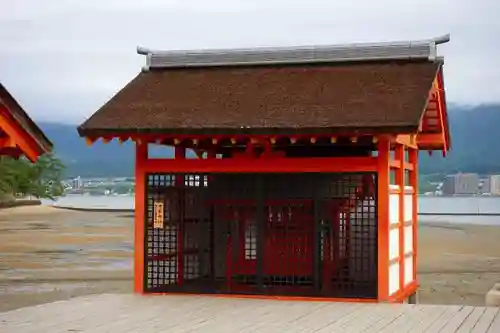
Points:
(485, 321)
(379, 312)
(244, 315)
(425, 319)
(260, 320)
(388, 317)
(325, 316)
(471, 320)
(104, 314)
(122, 317)
(182, 314)
(421, 318)
(54, 316)
(289, 321)
(402, 321)
(223, 325)
(257, 319)
(158, 315)
(340, 324)
(443, 319)
(184, 323)
(171, 311)
(495, 324)
(423, 324)
(457, 320)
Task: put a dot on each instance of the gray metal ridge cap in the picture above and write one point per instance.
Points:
(416, 49)
(436, 40)
(442, 39)
(143, 50)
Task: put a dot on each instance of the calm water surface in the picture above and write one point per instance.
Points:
(426, 205)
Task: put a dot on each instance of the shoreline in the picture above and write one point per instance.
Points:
(44, 209)
(132, 210)
(5, 204)
(94, 209)
(458, 214)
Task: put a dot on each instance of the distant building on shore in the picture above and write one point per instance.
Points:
(485, 185)
(77, 183)
(494, 184)
(461, 184)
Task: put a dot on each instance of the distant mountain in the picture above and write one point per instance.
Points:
(475, 136)
(475, 147)
(82, 160)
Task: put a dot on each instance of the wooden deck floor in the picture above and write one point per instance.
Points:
(132, 313)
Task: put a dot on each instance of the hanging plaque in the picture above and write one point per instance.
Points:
(158, 217)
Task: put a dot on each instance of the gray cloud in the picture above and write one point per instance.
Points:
(63, 59)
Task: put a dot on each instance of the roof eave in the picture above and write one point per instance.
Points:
(85, 131)
(446, 123)
(20, 116)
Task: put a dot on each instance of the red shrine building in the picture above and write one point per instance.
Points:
(19, 135)
(303, 181)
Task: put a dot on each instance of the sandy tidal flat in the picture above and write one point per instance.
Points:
(48, 254)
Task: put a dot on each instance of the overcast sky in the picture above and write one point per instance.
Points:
(62, 59)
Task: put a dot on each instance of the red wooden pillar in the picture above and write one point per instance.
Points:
(141, 156)
(180, 154)
(383, 218)
(413, 159)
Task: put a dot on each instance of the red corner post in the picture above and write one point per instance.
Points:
(383, 218)
(141, 156)
(413, 159)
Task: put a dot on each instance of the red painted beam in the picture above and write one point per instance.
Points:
(7, 142)
(264, 165)
(19, 136)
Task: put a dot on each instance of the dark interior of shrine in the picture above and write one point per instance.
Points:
(308, 234)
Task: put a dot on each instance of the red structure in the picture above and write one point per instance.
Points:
(19, 135)
(305, 177)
